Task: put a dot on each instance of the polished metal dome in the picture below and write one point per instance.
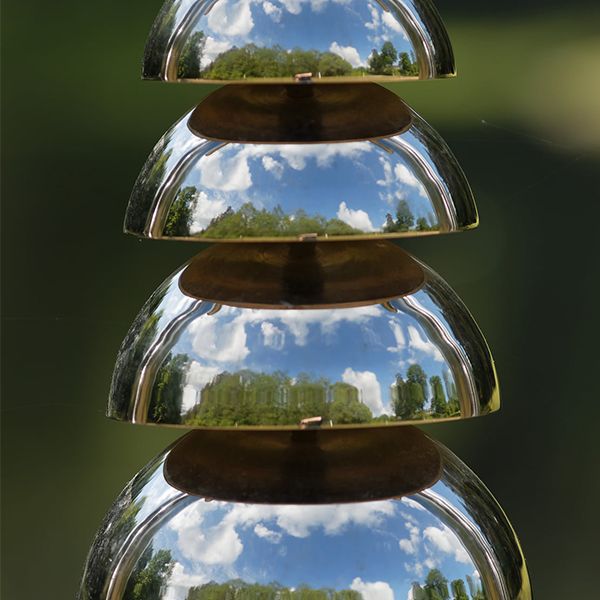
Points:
(275, 515)
(269, 163)
(225, 41)
(303, 336)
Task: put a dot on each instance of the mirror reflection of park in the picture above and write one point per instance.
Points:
(247, 398)
(275, 39)
(253, 61)
(393, 202)
(250, 221)
(150, 577)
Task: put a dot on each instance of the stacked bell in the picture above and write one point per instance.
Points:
(302, 343)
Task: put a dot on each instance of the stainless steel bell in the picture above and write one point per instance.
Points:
(302, 41)
(303, 336)
(268, 163)
(276, 515)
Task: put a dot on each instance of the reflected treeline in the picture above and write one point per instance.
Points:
(240, 590)
(149, 579)
(405, 220)
(249, 221)
(252, 61)
(247, 398)
(388, 61)
(437, 587)
(412, 393)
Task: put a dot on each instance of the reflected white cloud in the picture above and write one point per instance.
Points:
(399, 175)
(375, 590)
(398, 336)
(405, 176)
(273, 336)
(267, 534)
(348, 53)
(206, 210)
(273, 166)
(412, 504)
(445, 541)
(231, 18)
(212, 49)
(369, 389)
(410, 545)
(230, 168)
(199, 375)
(292, 6)
(222, 545)
(418, 342)
(358, 219)
(229, 175)
(181, 581)
(272, 11)
(384, 26)
(219, 342)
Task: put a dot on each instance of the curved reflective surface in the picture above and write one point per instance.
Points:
(305, 41)
(199, 188)
(297, 341)
(376, 515)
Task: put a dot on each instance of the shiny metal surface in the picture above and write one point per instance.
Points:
(208, 188)
(372, 515)
(303, 336)
(224, 41)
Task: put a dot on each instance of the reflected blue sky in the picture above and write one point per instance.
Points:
(366, 347)
(349, 28)
(288, 175)
(377, 548)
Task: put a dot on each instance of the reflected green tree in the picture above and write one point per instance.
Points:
(439, 405)
(475, 589)
(346, 407)
(405, 220)
(387, 61)
(249, 221)
(407, 65)
(249, 398)
(250, 61)
(190, 59)
(459, 591)
(383, 62)
(181, 213)
(418, 593)
(240, 590)
(149, 578)
(167, 395)
(453, 408)
(423, 224)
(332, 65)
(409, 394)
(436, 585)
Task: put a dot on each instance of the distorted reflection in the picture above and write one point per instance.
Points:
(302, 40)
(193, 188)
(416, 357)
(220, 551)
(449, 540)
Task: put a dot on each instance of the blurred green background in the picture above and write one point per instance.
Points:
(523, 117)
